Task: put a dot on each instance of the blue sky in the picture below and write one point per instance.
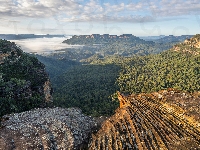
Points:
(138, 17)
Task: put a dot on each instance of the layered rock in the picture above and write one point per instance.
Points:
(150, 121)
(47, 128)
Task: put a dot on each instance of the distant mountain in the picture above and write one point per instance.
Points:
(24, 84)
(102, 39)
(26, 36)
(172, 38)
(151, 38)
(126, 45)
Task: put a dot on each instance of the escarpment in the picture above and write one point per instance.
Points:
(150, 121)
(46, 128)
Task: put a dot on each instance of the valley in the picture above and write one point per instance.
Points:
(74, 69)
(130, 93)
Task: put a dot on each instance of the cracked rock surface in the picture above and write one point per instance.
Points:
(47, 128)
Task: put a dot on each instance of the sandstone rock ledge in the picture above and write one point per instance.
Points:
(49, 128)
(152, 121)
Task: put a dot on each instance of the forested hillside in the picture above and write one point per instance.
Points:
(156, 72)
(86, 48)
(88, 87)
(92, 87)
(56, 67)
(24, 84)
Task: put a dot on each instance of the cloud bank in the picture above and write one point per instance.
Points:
(99, 10)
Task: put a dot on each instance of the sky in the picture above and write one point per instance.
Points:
(78, 17)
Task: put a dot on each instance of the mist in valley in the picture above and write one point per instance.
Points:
(42, 45)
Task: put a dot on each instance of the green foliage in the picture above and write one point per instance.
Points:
(80, 86)
(21, 80)
(90, 87)
(156, 72)
(24, 67)
(108, 69)
(87, 87)
(55, 67)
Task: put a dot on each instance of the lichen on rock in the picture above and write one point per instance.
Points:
(46, 128)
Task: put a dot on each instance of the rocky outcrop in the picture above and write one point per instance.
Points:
(194, 41)
(47, 128)
(123, 101)
(191, 46)
(47, 91)
(150, 121)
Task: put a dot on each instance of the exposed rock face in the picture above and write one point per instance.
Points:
(123, 101)
(55, 128)
(191, 45)
(47, 91)
(149, 121)
(193, 42)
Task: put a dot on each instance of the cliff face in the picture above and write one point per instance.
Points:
(150, 121)
(46, 128)
(24, 84)
(194, 41)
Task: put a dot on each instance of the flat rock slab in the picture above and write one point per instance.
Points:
(46, 128)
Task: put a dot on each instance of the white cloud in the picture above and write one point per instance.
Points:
(136, 6)
(170, 8)
(94, 10)
(41, 8)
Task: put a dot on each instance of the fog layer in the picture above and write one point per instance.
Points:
(41, 45)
